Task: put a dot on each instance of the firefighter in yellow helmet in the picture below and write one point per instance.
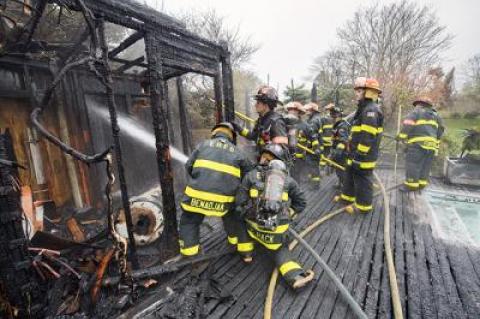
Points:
(215, 170)
(269, 198)
(315, 121)
(421, 130)
(298, 132)
(363, 147)
(325, 136)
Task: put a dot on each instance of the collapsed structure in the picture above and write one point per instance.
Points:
(53, 92)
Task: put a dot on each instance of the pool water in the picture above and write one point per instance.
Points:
(457, 216)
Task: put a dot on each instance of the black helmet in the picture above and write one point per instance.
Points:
(336, 110)
(267, 94)
(226, 129)
(277, 150)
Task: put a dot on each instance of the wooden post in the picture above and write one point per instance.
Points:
(168, 109)
(227, 76)
(217, 86)
(185, 128)
(160, 127)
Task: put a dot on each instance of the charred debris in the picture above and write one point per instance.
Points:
(66, 178)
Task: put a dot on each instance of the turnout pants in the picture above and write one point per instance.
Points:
(275, 246)
(418, 164)
(358, 188)
(189, 232)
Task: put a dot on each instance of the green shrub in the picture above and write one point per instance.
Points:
(455, 115)
(471, 114)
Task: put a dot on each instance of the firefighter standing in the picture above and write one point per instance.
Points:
(270, 126)
(215, 170)
(314, 120)
(298, 132)
(340, 134)
(421, 130)
(363, 148)
(325, 134)
(267, 198)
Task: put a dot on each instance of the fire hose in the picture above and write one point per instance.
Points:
(267, 314)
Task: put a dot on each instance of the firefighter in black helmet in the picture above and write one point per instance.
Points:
(215, 170)
(269, 198)
(363, 148)
(270, 126)
(421, 130)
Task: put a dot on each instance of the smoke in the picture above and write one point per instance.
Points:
(137, 131)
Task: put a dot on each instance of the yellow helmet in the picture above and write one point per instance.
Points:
(311, 107)
(295, 106)
(367, 83)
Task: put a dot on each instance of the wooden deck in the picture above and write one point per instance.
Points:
(436, 279)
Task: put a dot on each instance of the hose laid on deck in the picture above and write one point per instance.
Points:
(345, 293)
(392, 274)
(267, 313)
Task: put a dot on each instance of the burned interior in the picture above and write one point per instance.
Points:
(60, 103)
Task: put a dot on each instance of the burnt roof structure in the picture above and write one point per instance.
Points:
(170, 51)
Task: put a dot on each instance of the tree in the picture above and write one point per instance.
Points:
(212, 26)
(296, 93)
(398, 43)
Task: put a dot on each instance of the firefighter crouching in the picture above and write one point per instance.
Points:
(340, 134)
(325, 132)
(270, 126)
(215, 171)
(421, 130)
(314, 120)
(268, 198)
(298, 132)
(365, 136)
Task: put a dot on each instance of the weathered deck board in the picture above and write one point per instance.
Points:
(436, 279)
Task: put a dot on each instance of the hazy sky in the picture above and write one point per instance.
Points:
(293, 32)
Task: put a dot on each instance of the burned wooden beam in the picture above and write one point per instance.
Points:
(227, 76)
(130, 64)
(136, 63)
(160, 126)
(128, 42)
(183, 114)
(217, 88)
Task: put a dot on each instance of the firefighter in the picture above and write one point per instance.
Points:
(298, 132)
(340, 134)
(325, 134)
(363, 148)
(314, 120)
(269, 198)
(421, 130)
(270, 126)
(215, 170)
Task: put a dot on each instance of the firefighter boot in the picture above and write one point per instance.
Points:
(303, 279)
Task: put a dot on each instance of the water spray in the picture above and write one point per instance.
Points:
(137, 131)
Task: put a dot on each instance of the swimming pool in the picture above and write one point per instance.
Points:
(456, 216)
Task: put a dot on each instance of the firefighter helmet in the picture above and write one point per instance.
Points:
(311, 107)
(329, 106)
(423, 100)
(267, 94)
(225, 128)
(367, 83)
(336, 110)
(295, 106)
(277, 150)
